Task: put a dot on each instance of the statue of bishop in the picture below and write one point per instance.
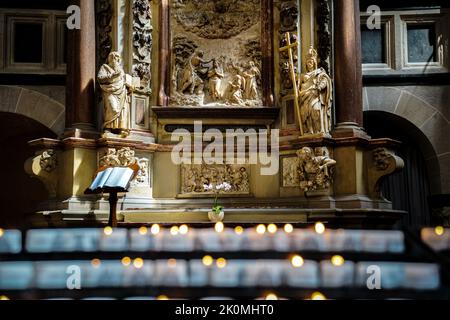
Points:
(315, 95)
(117, 87)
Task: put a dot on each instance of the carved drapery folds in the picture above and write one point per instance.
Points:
(312, 170)
(195, 177)
(382, 162)
(117, 88)
(126, 157)
(142, 42)
(315, 97)
(206, 70)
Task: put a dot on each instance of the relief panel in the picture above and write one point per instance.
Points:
(216, 53)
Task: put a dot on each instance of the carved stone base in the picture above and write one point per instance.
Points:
(348, 130)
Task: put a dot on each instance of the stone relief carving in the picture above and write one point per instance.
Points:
(126, 157)
(143, 176)
(323, 14)
(288, 23)
(315, 97)
(104, 15)
(198, 80)
(48, 160)
(207, 71)
(288, 16)
(287, 85)
(290, 172)
(311, 170)
(195, 177)
(117, 88)
(216, 19)
(142, 42)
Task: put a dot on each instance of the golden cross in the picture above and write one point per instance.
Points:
(289, 48)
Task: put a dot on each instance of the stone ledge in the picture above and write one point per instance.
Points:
(266, 113)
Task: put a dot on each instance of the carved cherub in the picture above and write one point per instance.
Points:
(126, 156)
(314, 168)
(110, 158)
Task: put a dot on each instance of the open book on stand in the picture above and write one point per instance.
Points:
(115, 179)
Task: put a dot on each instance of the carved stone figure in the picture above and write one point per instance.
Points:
(195, 177)
(193, 73)
(315, 95)
(142, 177)
(215, 76)
(235, 89)
(315, 168)
(117, 87)
(48, 161)
(251, 87)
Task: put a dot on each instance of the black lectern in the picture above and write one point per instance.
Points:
(113, 180)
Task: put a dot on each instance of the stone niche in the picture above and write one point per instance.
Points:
(215, 53)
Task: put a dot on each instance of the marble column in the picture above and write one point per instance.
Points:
(80, 97)
(348, 68)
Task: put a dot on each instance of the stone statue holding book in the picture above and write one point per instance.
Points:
(117, 87)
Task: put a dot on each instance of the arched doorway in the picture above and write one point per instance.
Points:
(20, 194)
(409, 189)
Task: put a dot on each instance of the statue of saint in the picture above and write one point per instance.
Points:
(315, 95)
(117, 87)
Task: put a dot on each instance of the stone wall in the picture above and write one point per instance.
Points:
(427, 107)
(46, 106)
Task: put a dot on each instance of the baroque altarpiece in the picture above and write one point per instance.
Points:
(162, 66)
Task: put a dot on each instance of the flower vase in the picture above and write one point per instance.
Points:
(216, 217)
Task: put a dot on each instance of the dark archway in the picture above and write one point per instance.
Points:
(409, 189)
(19, 193)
